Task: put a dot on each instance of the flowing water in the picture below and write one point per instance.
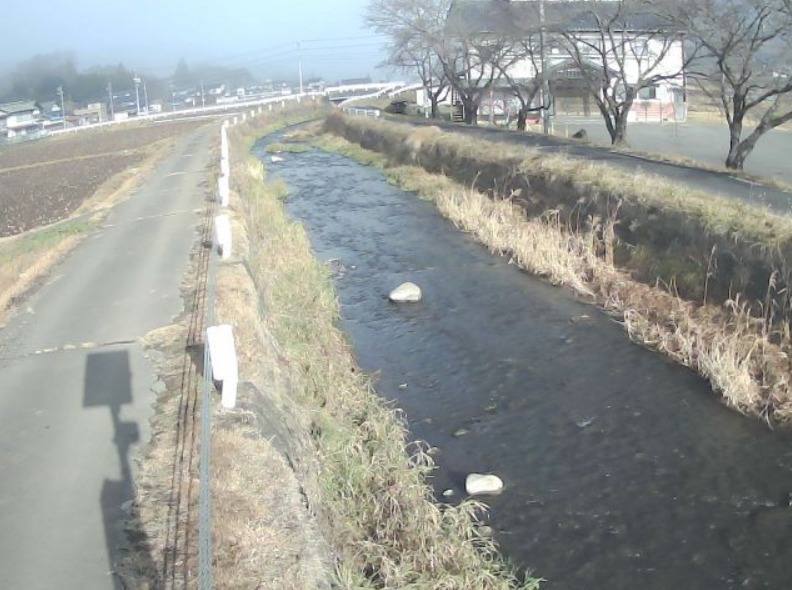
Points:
(621, 470)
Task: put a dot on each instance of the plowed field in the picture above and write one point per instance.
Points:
(46, 181)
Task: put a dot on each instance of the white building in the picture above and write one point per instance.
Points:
(19, 118)
(637, 48)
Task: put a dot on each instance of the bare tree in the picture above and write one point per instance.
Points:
(526, 82)
(620, 48)
(475, 56)
(746, 47)
(416, 55)
(473, 63)
(415, 30)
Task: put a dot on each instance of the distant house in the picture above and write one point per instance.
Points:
(51, 111)
(92, 113)
(19, 118)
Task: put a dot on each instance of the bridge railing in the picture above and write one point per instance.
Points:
(362, 112)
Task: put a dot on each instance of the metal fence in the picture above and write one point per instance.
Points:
(205, 573)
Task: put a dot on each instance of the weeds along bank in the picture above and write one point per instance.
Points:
(638, 247)
(365, 512)
(706, 248)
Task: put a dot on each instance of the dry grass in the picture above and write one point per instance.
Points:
(24, 259)
(665, 231)
(265, 536)
(366, 487)
(741, 356)
(727, 347)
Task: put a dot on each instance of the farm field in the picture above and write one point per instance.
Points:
(46, 181)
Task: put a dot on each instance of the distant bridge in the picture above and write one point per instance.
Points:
(342, 95)
(240, 108)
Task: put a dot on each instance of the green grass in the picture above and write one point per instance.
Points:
(333, 143)
(291, 148)
(41, 240)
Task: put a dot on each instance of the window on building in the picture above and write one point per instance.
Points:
(648, 93)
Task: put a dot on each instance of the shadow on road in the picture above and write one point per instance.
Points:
(108, 382)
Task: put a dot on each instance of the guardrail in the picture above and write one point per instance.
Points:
(214, 110)
(389, 89)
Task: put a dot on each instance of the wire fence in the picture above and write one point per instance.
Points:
(205, 571)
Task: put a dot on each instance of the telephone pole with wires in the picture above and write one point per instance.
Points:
(63, 106)
(299, 64)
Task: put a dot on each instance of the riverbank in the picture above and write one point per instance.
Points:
(698, 278)
(369, 516)
(502, 372)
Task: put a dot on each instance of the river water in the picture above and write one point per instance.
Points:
(621, 470)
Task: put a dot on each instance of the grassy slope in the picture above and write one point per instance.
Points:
(369, 494)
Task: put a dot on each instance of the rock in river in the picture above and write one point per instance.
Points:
(477, 484)
(406, 293)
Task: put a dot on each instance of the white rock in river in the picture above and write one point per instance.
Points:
(406, 293)
(276, 159)
(477, 484)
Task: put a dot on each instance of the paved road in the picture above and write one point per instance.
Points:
(72, 417)
(704, 142)
(713, 182)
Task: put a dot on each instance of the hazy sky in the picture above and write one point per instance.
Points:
(151, 35)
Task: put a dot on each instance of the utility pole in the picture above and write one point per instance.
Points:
(63, 106)
(145, 97)
(110, 94)
(137, 95)
(543, 90)
(203, 96)
(299, 65)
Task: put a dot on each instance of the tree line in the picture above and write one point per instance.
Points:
(40, 77)
(736, 51)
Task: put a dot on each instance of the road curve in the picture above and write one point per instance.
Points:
(75, 392)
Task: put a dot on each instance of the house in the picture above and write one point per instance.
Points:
(51, 111)
(639, 49)
(90, 114)
(19, 118)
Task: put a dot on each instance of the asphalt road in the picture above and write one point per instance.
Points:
(75, 392)
(706, 142)
(708, 181)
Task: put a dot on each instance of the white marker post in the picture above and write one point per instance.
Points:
(222, 354)
(223, 191)
(223, 235)
(224, 141)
